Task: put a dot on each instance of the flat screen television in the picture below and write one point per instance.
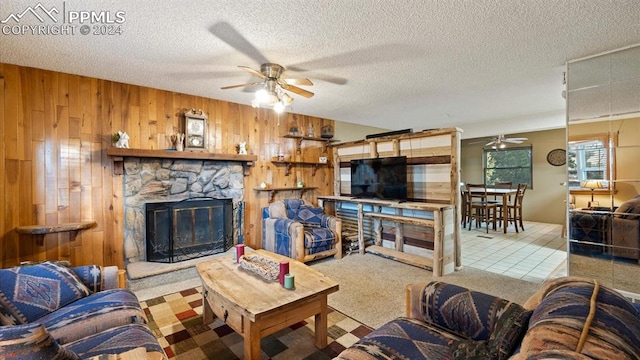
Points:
(381, 178)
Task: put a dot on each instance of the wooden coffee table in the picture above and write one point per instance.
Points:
(255, 308)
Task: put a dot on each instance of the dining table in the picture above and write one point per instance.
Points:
(505, 193)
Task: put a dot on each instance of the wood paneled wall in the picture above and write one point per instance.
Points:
(55, 129)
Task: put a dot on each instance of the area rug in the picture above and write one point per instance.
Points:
(176, 320)
(372, 288)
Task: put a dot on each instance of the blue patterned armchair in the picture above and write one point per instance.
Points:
(50, 311)
(295, 228)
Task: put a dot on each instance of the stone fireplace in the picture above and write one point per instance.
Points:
(156, 180)
(188, 229)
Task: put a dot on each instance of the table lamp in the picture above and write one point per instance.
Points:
(592, 184)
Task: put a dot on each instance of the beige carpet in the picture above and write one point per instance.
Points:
(372, 288)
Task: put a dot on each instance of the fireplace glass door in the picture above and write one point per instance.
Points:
(178, 231)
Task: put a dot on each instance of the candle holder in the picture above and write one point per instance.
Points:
(284, 270)
(289, 281)
(239, 252)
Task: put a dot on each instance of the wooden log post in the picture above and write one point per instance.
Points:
(377, 226)
(360, 229)
(399, 232)
(438, 239)
(377, 229)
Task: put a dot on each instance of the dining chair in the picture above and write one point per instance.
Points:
(480, 208)
(464, 207)
(502, 185)
(514, 208)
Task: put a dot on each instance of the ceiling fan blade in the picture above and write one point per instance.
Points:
(490, 143)
(512, 141)
(319, 76)
(297, 90)
(240, 85)
(225, 32)
(517, 139)
(303, 81)
(252, 72)
(385, 53)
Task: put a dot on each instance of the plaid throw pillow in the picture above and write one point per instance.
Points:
(509, 330)
(470, 350)
(504, 339)
(30, 292)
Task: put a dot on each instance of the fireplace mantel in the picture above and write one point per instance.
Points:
(119, 154)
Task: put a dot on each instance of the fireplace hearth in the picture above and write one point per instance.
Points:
(188, 229)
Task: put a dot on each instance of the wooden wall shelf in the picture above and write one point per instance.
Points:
(119, 154)
(290, 164)
(273, 191)
(299, 138)
(39, 231)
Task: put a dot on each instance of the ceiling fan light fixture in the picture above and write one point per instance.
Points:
(273, 99)
(274, 87)
(279, 107)
(263, 96)
(286, 99)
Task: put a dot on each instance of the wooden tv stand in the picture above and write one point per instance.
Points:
(441, 259)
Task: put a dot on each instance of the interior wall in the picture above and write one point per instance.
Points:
(544, 202)
(626, 133)
(55, 129)
(352, 132)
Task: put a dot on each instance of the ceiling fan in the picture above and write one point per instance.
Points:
(273, 93)
(500, 141)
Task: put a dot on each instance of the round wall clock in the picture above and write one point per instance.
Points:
(557, 157)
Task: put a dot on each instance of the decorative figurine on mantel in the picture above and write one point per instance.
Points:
(179, 142)
(121, 139)
(242, 148)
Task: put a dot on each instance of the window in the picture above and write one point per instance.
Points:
(587, 159)
(510, 164)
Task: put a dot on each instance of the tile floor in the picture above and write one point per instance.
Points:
(533, 255)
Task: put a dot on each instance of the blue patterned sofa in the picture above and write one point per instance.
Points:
(50, 311)
(446, 321)
(296, 229)
(589, 232)
(606, 232)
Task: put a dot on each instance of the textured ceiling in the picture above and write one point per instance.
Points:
(486, 66)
